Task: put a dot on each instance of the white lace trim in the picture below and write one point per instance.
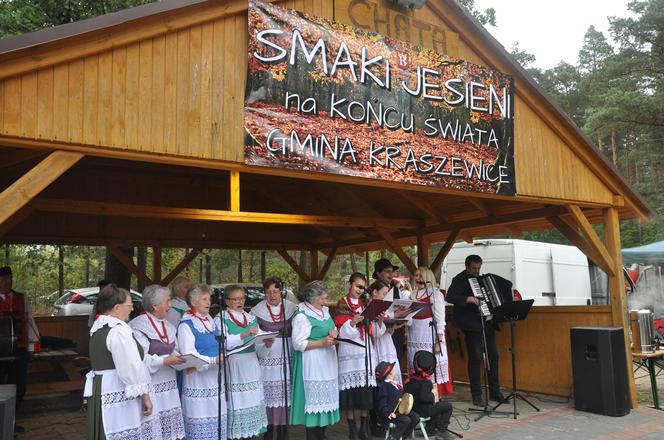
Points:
(355, 379)
(103, 320)
(198, 325)
(247, 422)
(309, 312)
(172, 424)
(148, 430)
(274, 393)
(321, 396)
(204, 428)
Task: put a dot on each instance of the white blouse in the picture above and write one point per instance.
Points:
(128, 364)
(302, 326)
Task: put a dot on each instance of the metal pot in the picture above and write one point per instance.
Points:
(646, 331)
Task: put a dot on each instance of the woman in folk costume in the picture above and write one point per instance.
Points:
(158, 340)
(246, 411)
(315, 371)
(118, 386)
(421, 329)
(197, 335)
(275, 359)
(384, 344)
(356, 364)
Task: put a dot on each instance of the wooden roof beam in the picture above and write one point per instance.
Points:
(447, 246)
(129, 264)
(465, 224)
(577, 240)
(16, 219)
(481, 205)
(394, 247)
(293, 264)
(181, 266)
(21, 192)
(328, 263)
(430, 215)
(160, 212)
(18, 156)
(591, 236)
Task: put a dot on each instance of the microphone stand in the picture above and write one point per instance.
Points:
(435, 340)
(285, 357)
(221, 339)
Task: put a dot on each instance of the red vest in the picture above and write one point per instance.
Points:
(14, 305)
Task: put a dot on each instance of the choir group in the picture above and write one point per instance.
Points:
(313, 368)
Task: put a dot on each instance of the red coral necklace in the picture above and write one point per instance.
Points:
(163, 338)
(242, 324)
(278, 317)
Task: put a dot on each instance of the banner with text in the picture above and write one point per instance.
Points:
(323, 96)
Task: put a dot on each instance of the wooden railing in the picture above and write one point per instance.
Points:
(543, 349)
(68, 327)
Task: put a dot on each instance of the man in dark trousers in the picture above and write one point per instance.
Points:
(467, 318)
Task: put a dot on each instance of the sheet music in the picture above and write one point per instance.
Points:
(191, 361)
(261, 337)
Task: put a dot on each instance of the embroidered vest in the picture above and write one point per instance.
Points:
(100, 357)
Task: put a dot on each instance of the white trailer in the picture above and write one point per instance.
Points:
(551, 274)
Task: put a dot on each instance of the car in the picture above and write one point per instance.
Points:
(81, 301)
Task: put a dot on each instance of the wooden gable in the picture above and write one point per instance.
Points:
(172, 84)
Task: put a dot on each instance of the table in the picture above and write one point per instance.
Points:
(654, 362)
(57, 365)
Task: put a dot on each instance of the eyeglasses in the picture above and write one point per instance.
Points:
(239, 298)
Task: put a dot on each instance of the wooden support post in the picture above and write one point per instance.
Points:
(435, 266)
(313, 264)
(328, 263)
(422, 251)
(394, 247)
(19, 193)
(156, 264)
(235, 191)
(617, 291)
(293, 264)
(129, 264)
(591, 236)
(181, 266)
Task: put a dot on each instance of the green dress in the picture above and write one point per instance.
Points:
(315, 375)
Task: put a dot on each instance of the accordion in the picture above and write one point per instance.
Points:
(486, 289)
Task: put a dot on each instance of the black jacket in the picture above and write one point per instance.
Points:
(423, 398)
(388, 397)
(467, 316)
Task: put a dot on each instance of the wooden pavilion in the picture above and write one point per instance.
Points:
(127, 130)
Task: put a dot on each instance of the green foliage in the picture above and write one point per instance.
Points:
(21, 16)
(488, 16)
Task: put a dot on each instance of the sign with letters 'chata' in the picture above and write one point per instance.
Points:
(326, 97)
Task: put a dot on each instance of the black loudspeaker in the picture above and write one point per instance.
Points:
(7, 404)
(599, 370)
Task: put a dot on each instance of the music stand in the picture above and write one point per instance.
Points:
(512, 312)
